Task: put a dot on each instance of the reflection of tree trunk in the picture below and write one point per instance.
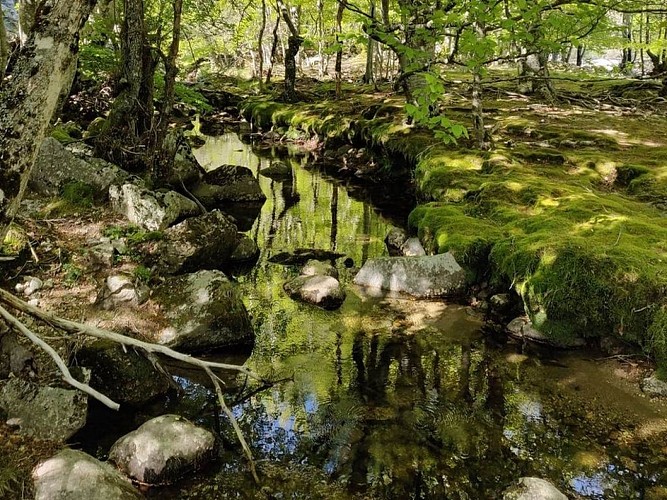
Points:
(366, 229)
(358, 359)
(436, 373)
(464, 373)
(334, 218)
(339, 359)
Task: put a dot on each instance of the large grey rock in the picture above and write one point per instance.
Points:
(203, 242)
(122, 290)
(653, 386)
(228, 183)
(45, 412)
(412, 247)
(323, 291)
(74, 475)
(186, 171)
(123, 374)
(423, 277)
(533, 488)
(56, 166)
(152, 210)
(523, 328)
(162, 450)
(205, 311)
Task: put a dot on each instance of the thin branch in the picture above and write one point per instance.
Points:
(235, 424)
(67, 376)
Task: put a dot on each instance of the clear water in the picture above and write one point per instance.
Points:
(394, 398)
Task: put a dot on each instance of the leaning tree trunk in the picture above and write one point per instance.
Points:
(27, 11)
(29, 99)
(4, 45)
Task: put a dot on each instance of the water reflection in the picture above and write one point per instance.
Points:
(394, 398)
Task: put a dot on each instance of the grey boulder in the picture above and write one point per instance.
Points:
(152, 210)
(56, 166)
(522, 328)
(228, 183)
(246, 250)
(162, 450)
(420, 276)
(653, 386)
(74, 475)
(533, 488)
(44, 412)
(205, 311)
(399, 244)
(122, 290)
(203, 242)
(316, 267)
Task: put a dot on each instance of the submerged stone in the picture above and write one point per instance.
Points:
(323, 291)
(533, 488)
(228, 183)
(162, 450)
(75, 475)
(420, 276)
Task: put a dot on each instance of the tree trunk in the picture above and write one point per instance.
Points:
(260, 48)
(163, 153)
(27, 11)
(132, 113)
(581, 50)
(4, 46)
(274, 47)
(294, 41)
(370, 49)
(476, 101)
(339, 48)
(29, 99)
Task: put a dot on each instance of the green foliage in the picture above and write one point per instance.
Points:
(185, 94)
(142, 274)
(73, 274)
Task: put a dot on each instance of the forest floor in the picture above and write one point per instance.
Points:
(568, 208)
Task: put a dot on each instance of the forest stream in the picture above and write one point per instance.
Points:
(390, 397)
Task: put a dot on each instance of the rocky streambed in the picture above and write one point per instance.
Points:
(380, 394)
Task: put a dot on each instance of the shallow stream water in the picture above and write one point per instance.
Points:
(394, 398)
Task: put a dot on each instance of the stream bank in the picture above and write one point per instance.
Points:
(567, 212)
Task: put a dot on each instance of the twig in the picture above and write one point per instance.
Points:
(67, 376)
(235, 424)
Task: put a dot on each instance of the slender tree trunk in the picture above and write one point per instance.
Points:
(294, 42)
(320, 38)
(163, 152)
(4, 46)
(581, 50)
(476, 101)
(274, 47)
(339, 47)
(370, 48)
(260, 46)
(29, 99)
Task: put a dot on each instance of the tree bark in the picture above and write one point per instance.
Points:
(274, 47)
(132, 113)
(294, 42)
(29, 99)
(162, 153)
(260, 48)
(339, 49)
(27, 10)
(4, 46)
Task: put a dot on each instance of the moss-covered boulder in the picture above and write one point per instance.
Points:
(204, 311)
(162, 450)
(228, 183)
(123, 374)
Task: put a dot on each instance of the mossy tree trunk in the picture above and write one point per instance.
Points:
(339, 47)
(4, 45)
(29, 100)
(534, 77)
(27, 10)
(294, 42)
(132, 113)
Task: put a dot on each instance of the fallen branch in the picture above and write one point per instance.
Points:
(93, 331)
(67, 376)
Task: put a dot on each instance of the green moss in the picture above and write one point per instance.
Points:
(78, 194)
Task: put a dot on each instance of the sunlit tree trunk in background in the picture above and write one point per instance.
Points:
(4, 45)
(260, 46)
(477, 105)
(370, 51)
(274, 47)
(294, 42)
(29, 99)
(320, 38)
(339, 47)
